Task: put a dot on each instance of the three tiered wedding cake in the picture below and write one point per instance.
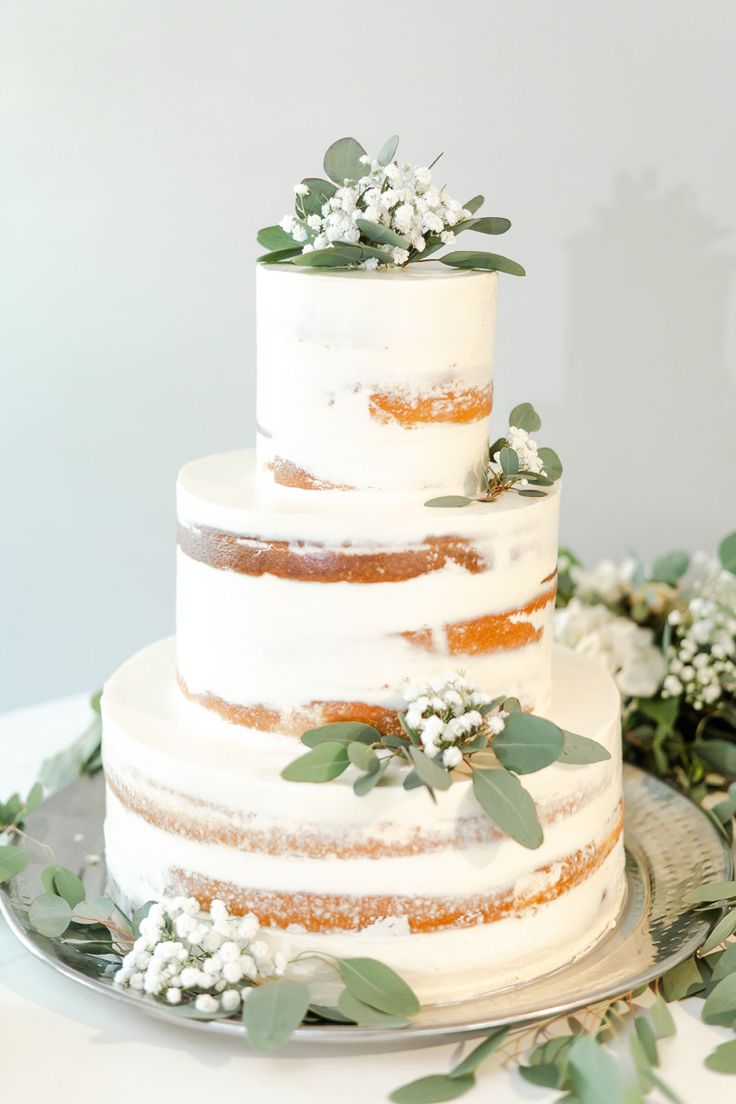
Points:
(312, 582)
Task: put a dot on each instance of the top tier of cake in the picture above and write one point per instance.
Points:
(375, 381)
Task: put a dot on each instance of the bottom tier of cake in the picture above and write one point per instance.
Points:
(197, 806)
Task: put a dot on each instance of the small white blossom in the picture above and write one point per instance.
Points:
(301, 189)
(206, 1003)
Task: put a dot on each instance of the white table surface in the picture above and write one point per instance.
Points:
(58, 1039)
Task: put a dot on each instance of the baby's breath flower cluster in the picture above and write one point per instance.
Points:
(702, 649)
(377, 212)
(446, 714)
(212, 959)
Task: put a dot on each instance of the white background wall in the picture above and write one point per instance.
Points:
(143, 142)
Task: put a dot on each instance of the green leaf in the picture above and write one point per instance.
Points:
(660, 1018)
(507, 803)
(434, 1089)
(683, 980)
(34, 799)
(726, 963)
(668, 569)
(719, 754)
(328, 1012)
(363, 757)
(528, 492)
(545, 1074)
(524, 416)
(274, 237)
(342, 161)
(581, 750)
(551, 461)
(13, 860)
(527, 743)
(709, 893)
(94, 910)
(473, 204)
(449, 500)
(342, 732)
(723, 1058)
(720, 1004)
(647, 1038)
(50, 915)
(280, 256)
(595, 1076)
(376, 232)
(362, 252)
(478, 1054)
(490, 225)
(387, 151)
(490, 262)
(319, 192)
(509, 461)
(65, 884)
(361, 1013)
(412, 781)
(273, 1011)
(378, 985)
(322, 764)
(726, 926)
(431, 773)
(366, 782)
(727, 552)
(323, 258)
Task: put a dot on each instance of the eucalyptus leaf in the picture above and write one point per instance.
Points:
(94, 910)
(660, 1018)
(489, 225)
(64, 883)
(647, 1038)
(545, 1074)
(668, 569)
(490, 262)
(527, 743)
(328, 1012)
(13, 860)
(366, 782)
(727, 552)
(449, 500)
(342, 732)
(322, 258)
(726, 963)
(720, 1004)
(509, 461)
(363, 757)
(275, 237)
(509, 805)
(273, 1011)
(361, 1013)
(280, 256)
(709, 893)
(719, 754)
(726, 926)
(377, 985)
(434, 1089)
(595, 1075)
(683, 980)
(384, 235)
(581, 750)
(478, 1054)
(473, 204)
(431, 773)
(359, 252)
(551, 462)
(387, 151)
(524, 416)
(342, 161)
(50, 915)
(529, 492)
(321, 764)
(34, 799)
(319, 192)
(412, 781)
(432, 243)
(723, 1058)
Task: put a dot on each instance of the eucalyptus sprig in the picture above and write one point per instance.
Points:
(514, 463)
(378, 213)
(493, 760)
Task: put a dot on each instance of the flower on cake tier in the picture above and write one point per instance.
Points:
(211, 959)
(448, 714)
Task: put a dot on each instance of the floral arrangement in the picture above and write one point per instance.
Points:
(668, 636)
(515, 462)
(451, 731)
(376, 213)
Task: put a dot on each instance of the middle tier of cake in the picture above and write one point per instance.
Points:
(297, 608)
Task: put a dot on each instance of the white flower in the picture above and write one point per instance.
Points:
(230, 1000)
(287, 223)
(370, 264)
(401, 256)
(298, 232)
(452, 756)
(301, 189)
(173, 995)
(447, 237)
(620, 645)
(495, 724)
(207, 1004)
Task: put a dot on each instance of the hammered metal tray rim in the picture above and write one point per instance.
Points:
(644, 891)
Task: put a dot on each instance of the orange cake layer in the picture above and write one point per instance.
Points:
(291, 475)
(445, 403)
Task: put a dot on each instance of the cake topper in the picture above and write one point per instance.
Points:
(378, 213)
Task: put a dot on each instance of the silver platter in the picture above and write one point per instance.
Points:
(671, 846)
